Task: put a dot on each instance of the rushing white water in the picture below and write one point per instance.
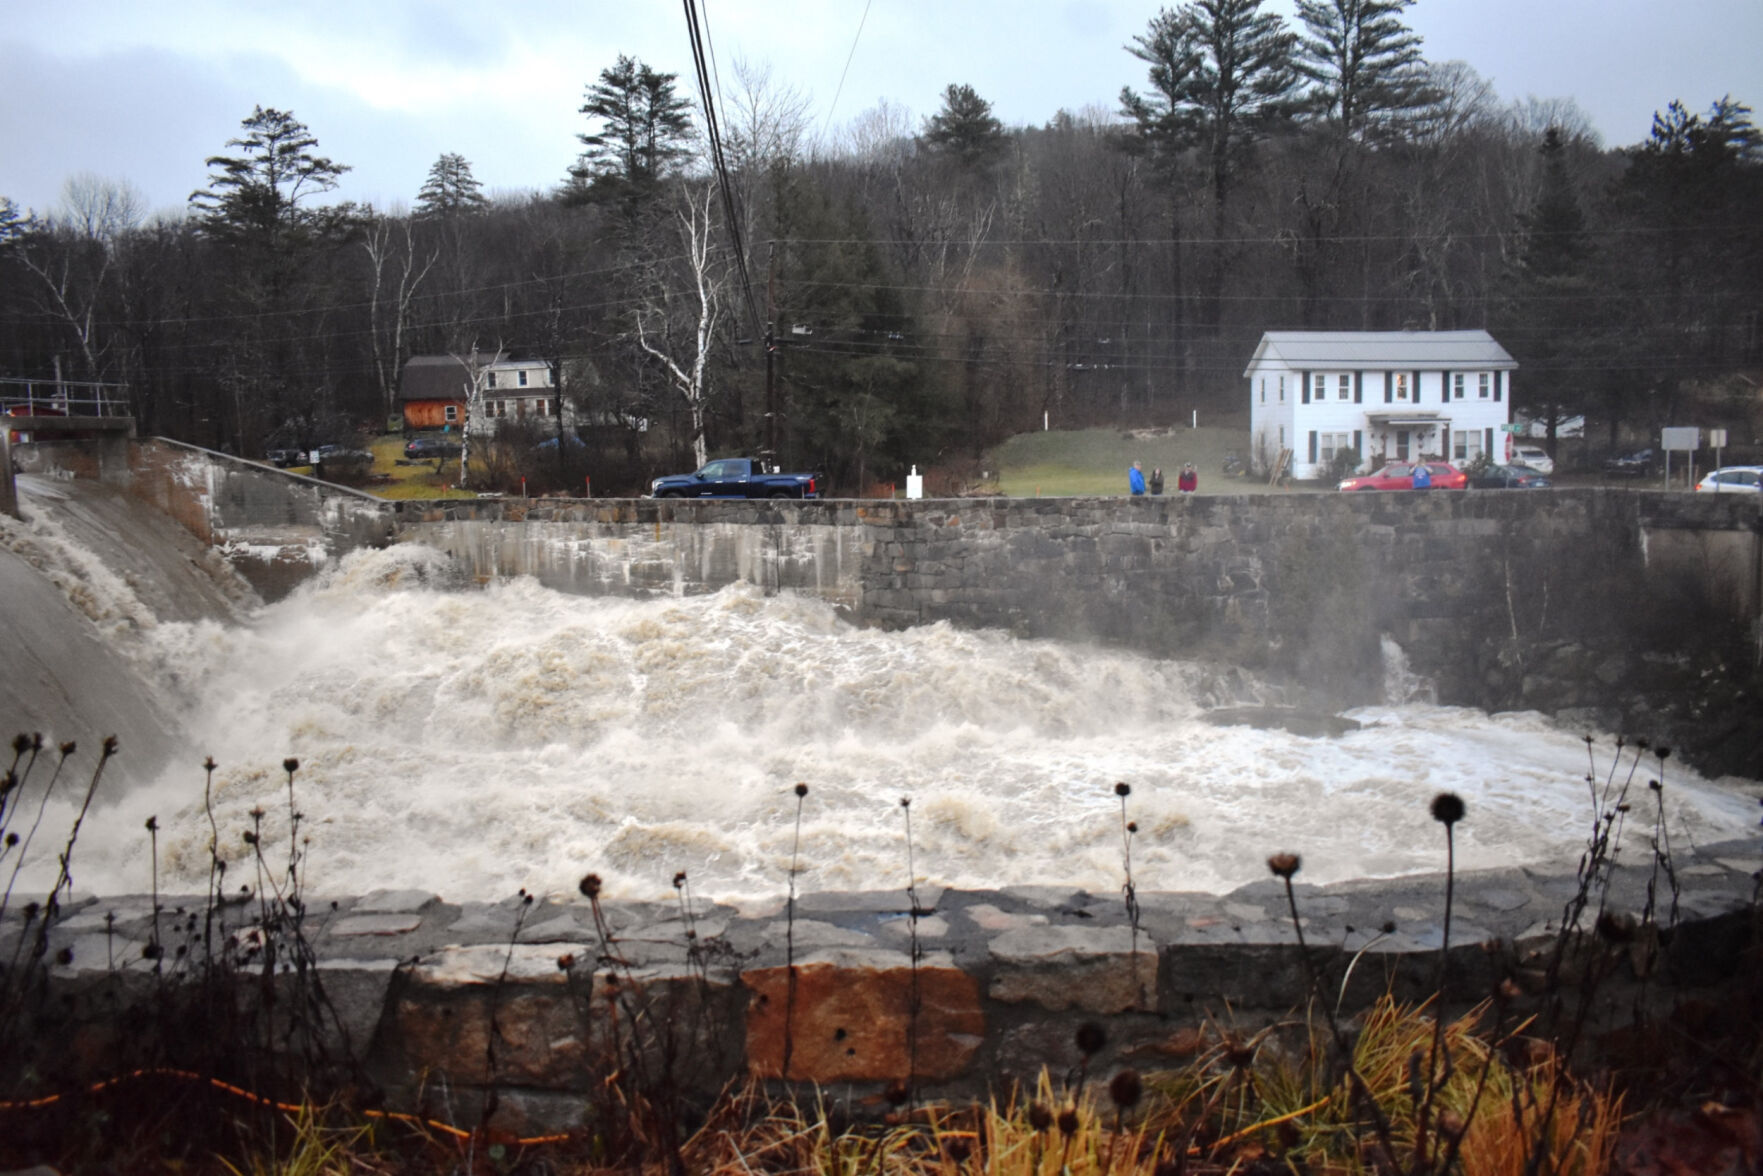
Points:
(471, 741)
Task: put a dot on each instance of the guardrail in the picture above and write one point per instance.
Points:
(81, 398)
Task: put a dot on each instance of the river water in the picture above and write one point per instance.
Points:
(471, 741)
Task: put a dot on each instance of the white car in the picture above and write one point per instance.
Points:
(1534, 456)
(1733, 479)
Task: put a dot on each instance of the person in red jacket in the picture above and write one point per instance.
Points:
(1189, 481)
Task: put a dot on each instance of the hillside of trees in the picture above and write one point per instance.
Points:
(928, 289)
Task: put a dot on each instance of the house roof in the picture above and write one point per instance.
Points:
(1381, 350)
(443, 377)
(434, 377)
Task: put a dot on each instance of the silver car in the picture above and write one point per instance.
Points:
(1733, 479)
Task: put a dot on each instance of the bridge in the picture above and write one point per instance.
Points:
(61, 410)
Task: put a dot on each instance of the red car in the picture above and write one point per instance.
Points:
(1399, 475)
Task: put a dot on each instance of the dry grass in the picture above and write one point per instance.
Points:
(1272, 1103)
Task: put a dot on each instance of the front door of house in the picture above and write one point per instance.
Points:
(1401, 444)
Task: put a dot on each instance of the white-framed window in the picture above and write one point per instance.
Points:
(1401, 385)
(1486, 385)
(1263, 389)
(1465, 445)
(451, 413)
(1345, 384)
(1282, 389)
(1329, 444)
(1456, 385)
(1282, 436)
(499, 408)
(1319, 386)
(520, 377)
(491, 381)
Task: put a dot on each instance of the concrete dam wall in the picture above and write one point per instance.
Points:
(1503, 599)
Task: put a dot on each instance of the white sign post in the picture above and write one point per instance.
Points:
(1717, 442)
(1687, 440)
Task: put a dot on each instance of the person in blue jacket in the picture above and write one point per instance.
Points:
(1422, 476)
(1135, 479)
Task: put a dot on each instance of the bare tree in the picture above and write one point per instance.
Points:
(477, 370)
(694, 313)
(100, 209)
(385, 252)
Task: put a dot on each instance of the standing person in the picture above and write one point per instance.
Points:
(1157, 480)
(1189, 481)
(1422, 476)
(1135, 480)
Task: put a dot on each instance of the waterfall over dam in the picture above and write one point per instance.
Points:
(471, 734)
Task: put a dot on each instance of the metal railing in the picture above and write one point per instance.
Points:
(52, 397)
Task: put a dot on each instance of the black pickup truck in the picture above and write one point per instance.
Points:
(736, 477)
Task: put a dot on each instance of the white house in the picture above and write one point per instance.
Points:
(1389, 395)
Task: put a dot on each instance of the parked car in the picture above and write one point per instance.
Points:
(1636, 463)
(281, 459)
(1509, 477)
(1731, 479)
(427, 448)
(1399, 475)
(1534, 456)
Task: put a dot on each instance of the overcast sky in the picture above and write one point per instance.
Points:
(144, 90)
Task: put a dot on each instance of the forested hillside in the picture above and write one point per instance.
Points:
(929, 287)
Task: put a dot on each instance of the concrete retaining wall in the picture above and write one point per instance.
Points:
(276, 528)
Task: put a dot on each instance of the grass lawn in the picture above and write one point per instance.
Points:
(411, 479)
(1094, 461)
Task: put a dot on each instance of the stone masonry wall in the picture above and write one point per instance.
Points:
(981, 990)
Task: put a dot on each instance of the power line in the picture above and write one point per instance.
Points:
(695, 33)
(846, 71)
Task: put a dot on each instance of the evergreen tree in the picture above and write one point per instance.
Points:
(965, 128)
(1549, 316)
(11, 223)
(450, 189)
(645, 133)
(1554, 230)
(256, 195)
(1692, 265)
(1221, 79)
(1363, 63)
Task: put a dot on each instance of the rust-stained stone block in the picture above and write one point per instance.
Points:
(853, 1023)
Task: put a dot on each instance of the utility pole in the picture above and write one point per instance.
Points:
(770, 453)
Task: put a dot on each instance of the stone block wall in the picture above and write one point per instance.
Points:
(528, 1006)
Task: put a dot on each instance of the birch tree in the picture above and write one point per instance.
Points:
(385, 252)
(477, 370)
(681, 323)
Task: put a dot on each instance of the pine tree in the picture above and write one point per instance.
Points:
(11, 223)
(1221, 76)
(1221, 79)
(255, 196)
(645, 133)
(450, 189)
(965, 128)
(1554, 230)
(1363, 63)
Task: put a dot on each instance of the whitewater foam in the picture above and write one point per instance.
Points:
(472, 741)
